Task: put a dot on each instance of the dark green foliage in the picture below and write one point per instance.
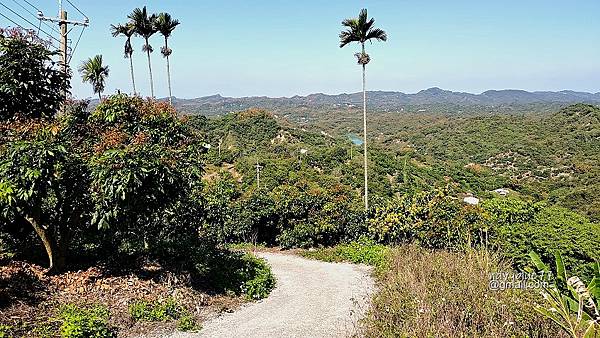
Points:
(45, 185)
(91, 322)
(259, 278)
(236, 272)
(130, 169)
(31, 85)
(523, 227)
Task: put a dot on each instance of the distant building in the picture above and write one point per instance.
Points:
(501, 191)
(471, 200)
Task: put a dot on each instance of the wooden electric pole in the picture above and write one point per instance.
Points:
(63, 23)
(63, 39)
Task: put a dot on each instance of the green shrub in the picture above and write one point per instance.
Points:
(235, 272)
(89, 322)
(260, 280)
(522, 227)
(5, 331)
(156, 311)
(187, 323)
(433, 219)
(364, 251)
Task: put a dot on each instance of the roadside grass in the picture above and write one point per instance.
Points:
(363, 251)
(424, 293)
(245, 246)
(166, 310)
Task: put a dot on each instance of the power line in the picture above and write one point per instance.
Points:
(18, 25)
(9, 19)
(76, 44)
(24, 19)
(34, 15)
(29, 3)
(80, 12)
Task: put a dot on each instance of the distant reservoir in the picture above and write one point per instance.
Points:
(355, 139)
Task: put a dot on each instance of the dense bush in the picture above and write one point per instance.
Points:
(236, 273)
(433, 219)
(31, 83)
(126, 169)
(300, 215)
(522, 227)
(259, 278)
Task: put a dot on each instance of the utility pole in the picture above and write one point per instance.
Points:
(258, 168)
(63, 24)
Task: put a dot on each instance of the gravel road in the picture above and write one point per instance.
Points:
(312, 299)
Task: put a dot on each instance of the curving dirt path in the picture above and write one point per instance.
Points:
(311, 299)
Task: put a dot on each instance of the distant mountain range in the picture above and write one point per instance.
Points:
(435, 99)
(382, 100)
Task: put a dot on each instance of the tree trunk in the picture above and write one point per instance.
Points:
(365, 133)
(150, 69)
(131, 69)
(168, 71)
(56, 256)
(99, 97)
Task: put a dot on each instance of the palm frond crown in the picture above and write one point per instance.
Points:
(360, 30)
(143, 24)
(94, 72)
(127, 30)
(165, 24)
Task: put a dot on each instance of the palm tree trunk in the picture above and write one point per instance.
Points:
(131, 70)
(365, 132)
(150, 69)
(99, 97)
(168, 71)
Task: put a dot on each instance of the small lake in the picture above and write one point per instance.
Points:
(355, 139)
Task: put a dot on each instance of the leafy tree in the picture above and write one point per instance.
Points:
(125, 178)
(361, 30)
(127, 30)
(44, 184)
(145, 27)
(93, 71)
(31, 84)
(145, 172)
(165, 25)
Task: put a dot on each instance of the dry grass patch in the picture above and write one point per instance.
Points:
(446, 294)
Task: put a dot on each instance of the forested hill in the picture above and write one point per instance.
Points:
(384, 101)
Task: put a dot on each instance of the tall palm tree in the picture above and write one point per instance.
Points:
(127, 30)
(144, 27)
(361, 30)
(93, 71)
(165, 25)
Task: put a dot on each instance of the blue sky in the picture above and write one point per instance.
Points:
(283, 48)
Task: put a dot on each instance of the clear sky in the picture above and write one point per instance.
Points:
(283, 48)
